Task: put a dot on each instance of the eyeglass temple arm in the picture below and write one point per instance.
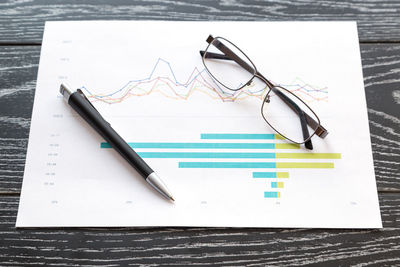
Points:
(320, 130)
(302, 116)
(229, 54)
(245, 65)
(306, 135)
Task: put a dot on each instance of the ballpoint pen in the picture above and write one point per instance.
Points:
(79, 102)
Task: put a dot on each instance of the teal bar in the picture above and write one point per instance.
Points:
(198, 145)
(274, 185)
(271, 194)
(208, 155)
(209, 165)
(264, 174)
(236, 136)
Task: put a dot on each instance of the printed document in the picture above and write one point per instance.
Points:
(222, 162)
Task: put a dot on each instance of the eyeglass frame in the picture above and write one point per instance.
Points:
(230, 55)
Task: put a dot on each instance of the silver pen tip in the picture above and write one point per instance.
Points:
(65, 91)
(159, 185)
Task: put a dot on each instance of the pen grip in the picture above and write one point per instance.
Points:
(93, 117)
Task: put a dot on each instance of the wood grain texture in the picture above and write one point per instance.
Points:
(381, 66)
(18, 72)
(200, 246)
(23, 20)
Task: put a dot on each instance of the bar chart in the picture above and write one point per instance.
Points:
(195, 150)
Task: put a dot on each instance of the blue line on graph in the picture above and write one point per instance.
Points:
(189, 83)
(173, 75)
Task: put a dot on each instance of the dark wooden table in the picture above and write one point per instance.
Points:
(21, 28)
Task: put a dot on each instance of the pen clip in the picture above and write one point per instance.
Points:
(84, 96)
(79, 91)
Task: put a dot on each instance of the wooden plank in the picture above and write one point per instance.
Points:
(201, 246)
(381, 65)
(23, 21)
(18, 72)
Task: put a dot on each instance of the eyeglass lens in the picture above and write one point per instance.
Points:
(225, 70)
(284, 111)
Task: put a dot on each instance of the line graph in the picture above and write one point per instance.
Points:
(198, 82)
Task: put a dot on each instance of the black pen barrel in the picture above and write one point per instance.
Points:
(93, 117)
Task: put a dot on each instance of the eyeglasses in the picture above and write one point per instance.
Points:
(283, 111)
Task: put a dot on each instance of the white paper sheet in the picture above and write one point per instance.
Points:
(148, 80)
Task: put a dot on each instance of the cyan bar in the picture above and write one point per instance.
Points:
(236, 136)
(264, 174)
(271, 194)
(198, 145)
(208, 165)
(105, 145)
(209, 155)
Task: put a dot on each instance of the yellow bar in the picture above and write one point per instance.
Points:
(279, 194)
(287, 146)
(308, 155)
(282, 175)
(279, 137)
(279, 184)
(309, 165)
